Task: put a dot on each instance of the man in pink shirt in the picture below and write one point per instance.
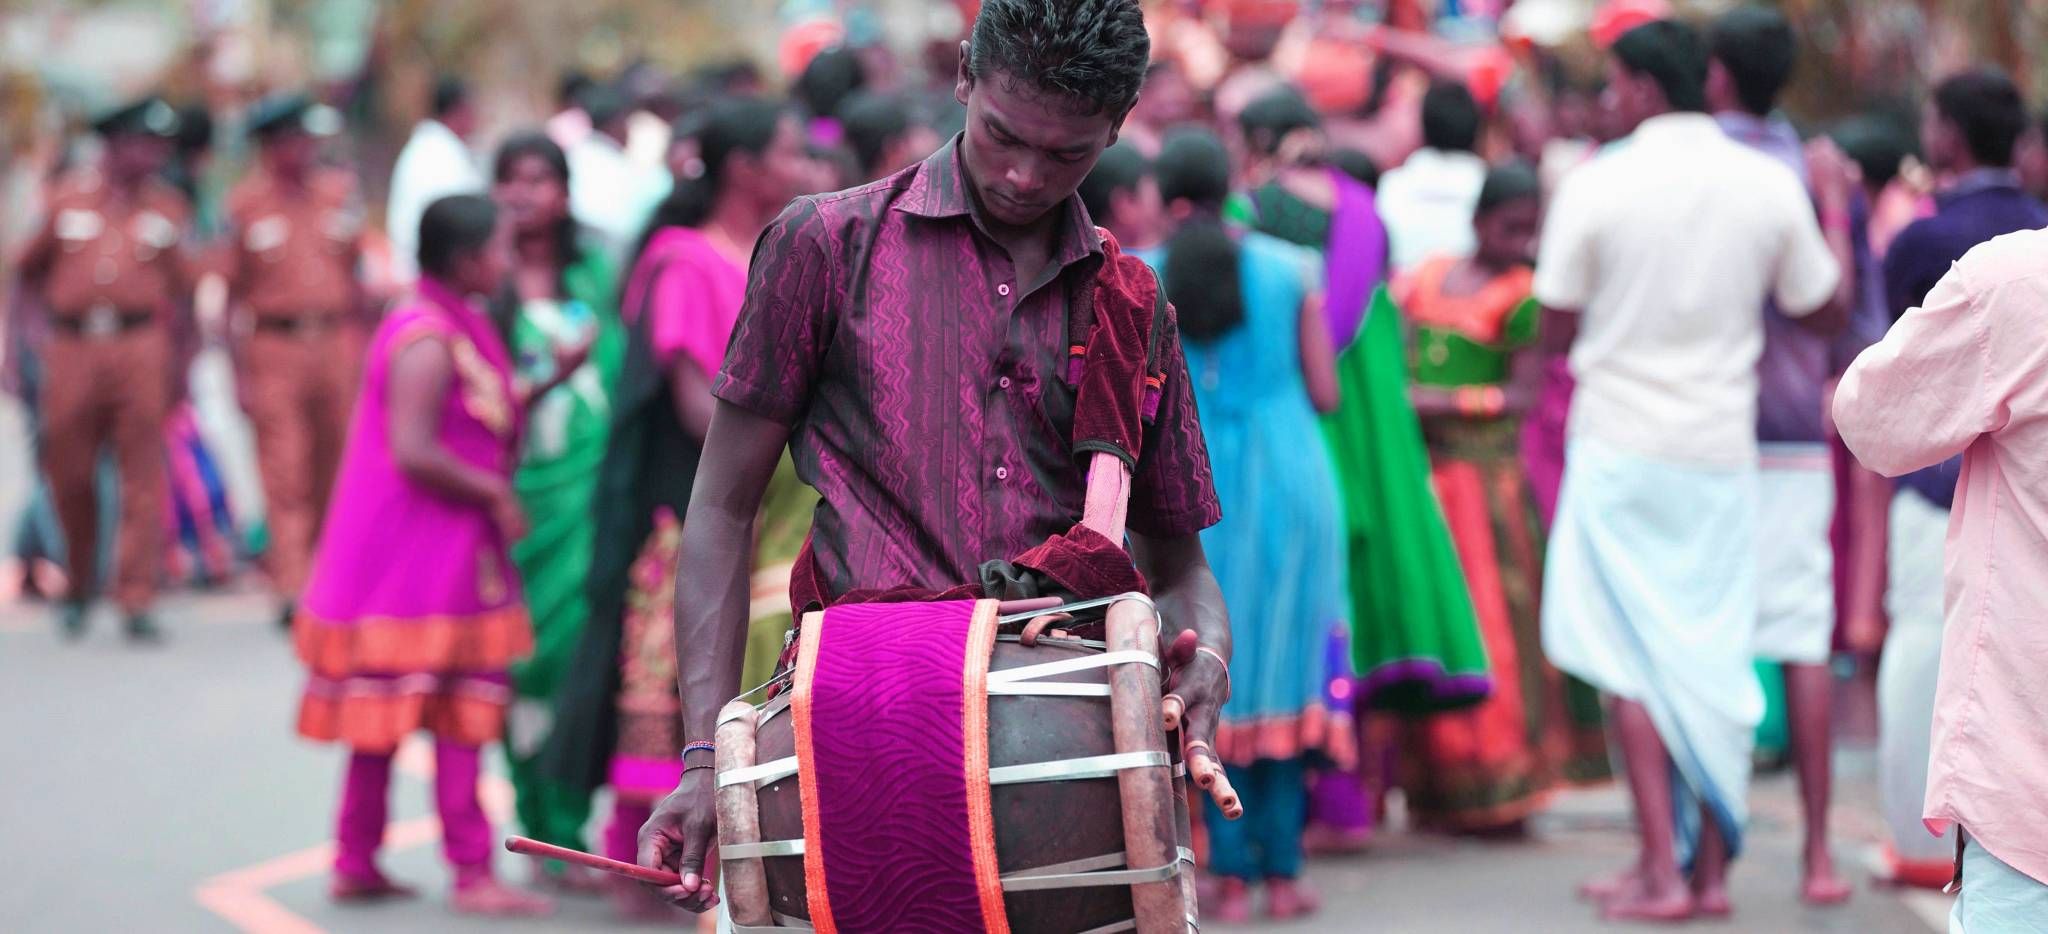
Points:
(1967, 372)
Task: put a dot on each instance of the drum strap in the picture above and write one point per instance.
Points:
(1056, 770)
(1073, 770)
(784, 923)
(1088, 873)
(1076, 874)
(1071, 665)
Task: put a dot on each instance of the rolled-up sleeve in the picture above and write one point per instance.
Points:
(1173, 493)
(1923, 393)
(785, 325)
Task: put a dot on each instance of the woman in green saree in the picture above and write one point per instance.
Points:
(620, 714)
(562, 292)
(1414, 639)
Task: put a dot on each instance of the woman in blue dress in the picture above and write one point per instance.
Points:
(1260, 360)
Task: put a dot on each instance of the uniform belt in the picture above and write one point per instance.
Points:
(298, 325)
(102, 321)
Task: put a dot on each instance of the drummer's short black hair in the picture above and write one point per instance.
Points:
(1092, 53)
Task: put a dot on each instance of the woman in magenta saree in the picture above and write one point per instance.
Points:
(413, 612)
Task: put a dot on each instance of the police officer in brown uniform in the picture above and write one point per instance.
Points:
(294, 243)
(110, 266)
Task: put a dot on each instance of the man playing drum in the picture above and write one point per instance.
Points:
(909, 341)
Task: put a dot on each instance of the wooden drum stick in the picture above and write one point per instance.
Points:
(550, 851)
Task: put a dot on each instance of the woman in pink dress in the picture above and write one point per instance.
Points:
(413, 611)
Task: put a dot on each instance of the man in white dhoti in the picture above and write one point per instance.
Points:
(1656, 260)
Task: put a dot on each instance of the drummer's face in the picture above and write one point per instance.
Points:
(1027, 151)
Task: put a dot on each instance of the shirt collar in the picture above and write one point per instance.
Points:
(1976, 180)
(940, 190)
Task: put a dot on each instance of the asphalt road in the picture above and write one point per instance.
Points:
(162, 790)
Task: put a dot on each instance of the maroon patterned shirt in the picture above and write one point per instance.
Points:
(926, 387)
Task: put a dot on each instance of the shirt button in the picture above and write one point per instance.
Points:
(1002, 473)
(1003, 290)
(1004, 382)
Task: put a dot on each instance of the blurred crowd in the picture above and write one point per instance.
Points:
(1361, 220)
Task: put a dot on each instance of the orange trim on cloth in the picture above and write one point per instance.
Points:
(1314, 728)
(487, 641)
(1481, 317)
(378, 724)
(981, 820)
(815, 895)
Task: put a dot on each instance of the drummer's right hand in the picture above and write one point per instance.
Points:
(677, 837)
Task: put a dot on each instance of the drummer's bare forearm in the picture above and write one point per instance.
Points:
(1184, 588)
(713, 586)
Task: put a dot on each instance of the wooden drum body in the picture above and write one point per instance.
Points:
(1085, 787)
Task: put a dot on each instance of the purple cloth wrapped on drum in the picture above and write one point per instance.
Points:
(892, 739)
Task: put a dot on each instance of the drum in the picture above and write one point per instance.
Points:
(1086, 788)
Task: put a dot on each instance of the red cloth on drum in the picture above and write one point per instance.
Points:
(891, 722)
(1119, 381)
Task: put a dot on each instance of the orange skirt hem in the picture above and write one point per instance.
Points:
(488, 641)
(1315, 728)
(378, 724)
(1489, 818)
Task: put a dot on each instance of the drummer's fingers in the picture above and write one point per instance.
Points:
(696, 841)
(1174, 655)
(1198, 734)
(1225, 796)
(1210, 776)
(1181, 650)
(1198, 728)
(1172, 708)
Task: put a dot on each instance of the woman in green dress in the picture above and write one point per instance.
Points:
(622, 719)
(1413, 638)
(561, 292)
(1473, 324)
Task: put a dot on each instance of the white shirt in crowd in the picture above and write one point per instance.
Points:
(434, 164)
(1427, 205)
(611, 193)
(1667, 243)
